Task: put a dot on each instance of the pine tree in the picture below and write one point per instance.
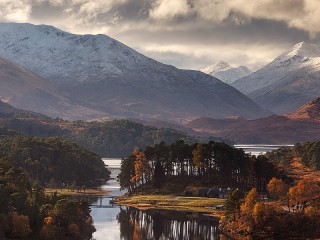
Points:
(158, 176)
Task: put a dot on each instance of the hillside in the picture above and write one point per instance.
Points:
(302, 125)
(309, 111)
(27, 90)
(104, 74)
(287, 82)
(117, 138)
(298, 171)
(45, 159)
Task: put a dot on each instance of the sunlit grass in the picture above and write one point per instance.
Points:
(66, 192)
(172, 202)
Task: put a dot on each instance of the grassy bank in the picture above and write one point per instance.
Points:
(86, 192)
(173, 202)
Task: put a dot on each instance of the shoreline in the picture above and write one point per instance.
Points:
(173, 202)
(77, 193)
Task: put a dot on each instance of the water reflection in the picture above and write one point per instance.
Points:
(114, 222)
(161, 224)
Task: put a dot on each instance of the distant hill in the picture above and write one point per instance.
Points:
(286, 83)
(309, 111)
(107, 76)
(226, 73)
(117, 138)
(302, 125)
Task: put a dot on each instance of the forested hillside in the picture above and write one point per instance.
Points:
(308, 153)
(116, 138)
(54, 161)
(27, 213)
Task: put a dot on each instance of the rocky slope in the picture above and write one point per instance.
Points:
(25, 89)
(226, 73)
(287, 82)
(107, 76)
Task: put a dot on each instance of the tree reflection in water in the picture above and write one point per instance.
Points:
(161, 224)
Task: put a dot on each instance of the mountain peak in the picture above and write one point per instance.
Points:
(222, 64)
(217, 67)
(303, 49)
(225, 72)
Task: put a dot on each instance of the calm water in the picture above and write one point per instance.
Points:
(258, 149)
(114, 222)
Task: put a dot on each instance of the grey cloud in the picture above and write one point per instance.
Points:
(186, 33)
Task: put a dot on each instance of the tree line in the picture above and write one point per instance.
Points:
(307, 152)
(213, 163)
(27, 213)
(54, 161)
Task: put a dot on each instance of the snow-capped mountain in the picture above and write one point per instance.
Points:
(226, 73)
(24, 89)
(104, 74)
(287, 82)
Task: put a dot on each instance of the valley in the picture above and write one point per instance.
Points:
(98, 139)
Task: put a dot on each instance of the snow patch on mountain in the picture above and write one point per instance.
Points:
(225, 72)
(287, 82)
(300, 56)
(104, 74)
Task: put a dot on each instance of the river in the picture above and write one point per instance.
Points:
(114, 222)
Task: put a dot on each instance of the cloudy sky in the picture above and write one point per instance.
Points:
(185, 33)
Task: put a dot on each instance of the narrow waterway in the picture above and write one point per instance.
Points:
(105, 217)
(126, 223)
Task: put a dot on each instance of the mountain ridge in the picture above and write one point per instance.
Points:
(105, 75)
(299, 126)
(287, 82)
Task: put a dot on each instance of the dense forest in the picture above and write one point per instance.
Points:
(214, 164)
(292, 212)
(308, 152)
(54, 161)
(27, 213)
(27, 165)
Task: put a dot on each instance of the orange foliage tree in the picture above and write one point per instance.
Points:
(305, 191)
(276, 188)
(141, 168)
(247, 208)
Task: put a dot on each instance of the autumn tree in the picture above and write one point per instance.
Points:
(141, 168)
(247, 209)
(276, 188)
(306, 190)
